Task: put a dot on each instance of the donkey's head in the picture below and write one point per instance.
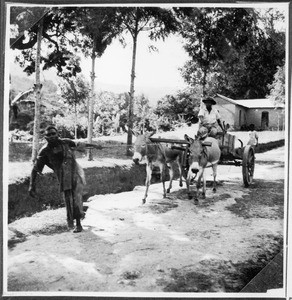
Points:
(140, 146)
(196, 152)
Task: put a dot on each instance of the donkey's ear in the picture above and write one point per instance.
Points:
(134, 132)
(187, 138)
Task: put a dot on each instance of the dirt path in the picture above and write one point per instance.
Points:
(166, 245)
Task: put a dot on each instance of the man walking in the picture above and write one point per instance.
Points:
(58, 154)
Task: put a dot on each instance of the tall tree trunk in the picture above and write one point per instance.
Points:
(132, 91)
(204, 82)
(90, 108)
(75, 106)
(36, 127)
(75, 122)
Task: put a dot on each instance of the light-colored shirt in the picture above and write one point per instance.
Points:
(209, 118)
(253, 138)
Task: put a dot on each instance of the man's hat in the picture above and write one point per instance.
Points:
(203, 132)
(209, 100)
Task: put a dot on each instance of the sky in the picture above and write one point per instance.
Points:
(156, 72)
(152, 68)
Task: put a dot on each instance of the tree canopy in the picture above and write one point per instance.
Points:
(277, 87)
(228, 45)
(57, 24)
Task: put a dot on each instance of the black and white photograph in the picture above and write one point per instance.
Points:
(145, 149)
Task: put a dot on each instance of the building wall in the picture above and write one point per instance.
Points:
(240, 117)
(230, 113)
(276, 118)
(226, 110)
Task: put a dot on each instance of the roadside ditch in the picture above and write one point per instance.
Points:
(115, 178)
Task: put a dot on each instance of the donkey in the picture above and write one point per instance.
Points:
(157, 154)
(202, 154)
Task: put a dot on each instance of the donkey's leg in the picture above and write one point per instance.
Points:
(200, 177)
(162, 167)
(214, 167)
(204, 185)
(180, 170)
(170, 167)
(148, 180)
(188, 183)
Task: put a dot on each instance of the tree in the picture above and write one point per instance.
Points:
(277, 94)
(39, 32)
(159, 23)
(145, 119)
(214, 38)
(109, 112)
(57, 23)
(182, 107)
(277, 87)
(44, 26)
(265, 54)
(75, 91)
(230, 53)
(97, 27)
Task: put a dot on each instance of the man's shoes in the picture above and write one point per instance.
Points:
(78, 228)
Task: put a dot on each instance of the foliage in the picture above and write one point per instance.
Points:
(212, 36)
(182, 108)
(230, 54)
(261, 65)
(21, 20)
(158, 22)
(277, 88)
(57, 23)
(50, 102)
(66, 124)
(19, 135)
(75, 92)
(109, 111)
(95, 30)
(97, 27)
(145, 118)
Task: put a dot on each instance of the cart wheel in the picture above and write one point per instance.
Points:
(248, 162)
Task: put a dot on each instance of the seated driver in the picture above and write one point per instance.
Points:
(208, 119)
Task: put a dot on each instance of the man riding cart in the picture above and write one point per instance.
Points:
(209, 117)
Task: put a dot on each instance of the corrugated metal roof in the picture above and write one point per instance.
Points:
(252, 103)
(256, 103)
(227, 99)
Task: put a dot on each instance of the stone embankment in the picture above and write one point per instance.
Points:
(101, 179)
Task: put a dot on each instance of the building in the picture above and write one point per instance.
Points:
(239, 114)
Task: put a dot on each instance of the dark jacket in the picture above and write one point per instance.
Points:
(61, 159)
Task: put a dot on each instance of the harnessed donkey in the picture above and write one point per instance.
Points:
(157, 154)
(202, 154)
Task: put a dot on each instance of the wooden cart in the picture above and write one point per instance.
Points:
(243, 156)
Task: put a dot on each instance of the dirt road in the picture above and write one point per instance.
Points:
(166, 245)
